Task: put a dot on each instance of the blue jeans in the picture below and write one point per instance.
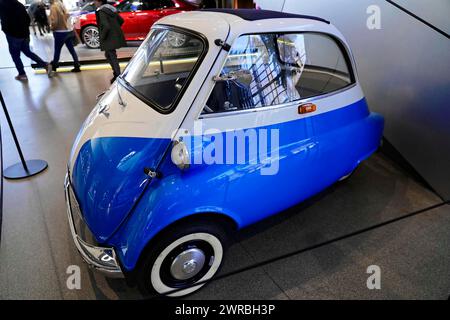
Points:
(18, 45)
(62, 38)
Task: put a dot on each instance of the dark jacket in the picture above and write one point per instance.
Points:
(109, 22)
(15, 19)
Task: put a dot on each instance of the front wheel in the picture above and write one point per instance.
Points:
(91, 37)
(184, 256)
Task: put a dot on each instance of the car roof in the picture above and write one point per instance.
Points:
(213, 22)
(252, 14)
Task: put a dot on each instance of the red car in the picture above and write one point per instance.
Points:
(138, 16)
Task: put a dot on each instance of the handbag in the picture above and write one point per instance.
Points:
(72, 34)
(74, 38)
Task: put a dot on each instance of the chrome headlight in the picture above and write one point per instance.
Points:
(180, 155)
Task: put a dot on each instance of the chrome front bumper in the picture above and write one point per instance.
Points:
(103, 259)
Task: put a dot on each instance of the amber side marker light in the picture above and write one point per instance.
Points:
(306, 108)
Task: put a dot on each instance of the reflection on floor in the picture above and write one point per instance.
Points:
(37, 249)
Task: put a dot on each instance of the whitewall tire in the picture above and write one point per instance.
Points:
(181, 258)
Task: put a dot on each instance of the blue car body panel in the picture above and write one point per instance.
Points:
(318, 150)
(108, 177)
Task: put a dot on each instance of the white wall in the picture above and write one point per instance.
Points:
(404, 69)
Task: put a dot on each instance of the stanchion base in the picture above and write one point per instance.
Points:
(16, 171)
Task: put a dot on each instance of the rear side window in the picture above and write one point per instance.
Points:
(129, 6)
(271, 69)
(88, 7)
(166, 4)
(156, 4)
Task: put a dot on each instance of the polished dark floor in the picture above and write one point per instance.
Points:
(36, 248)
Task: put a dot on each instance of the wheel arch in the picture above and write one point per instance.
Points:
(221, 219)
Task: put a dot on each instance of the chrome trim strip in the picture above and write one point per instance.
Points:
(103, 259)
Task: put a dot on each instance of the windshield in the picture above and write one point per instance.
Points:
(161, 66)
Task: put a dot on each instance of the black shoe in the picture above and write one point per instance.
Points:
(113, 79)
(76, 69)
(50, 71)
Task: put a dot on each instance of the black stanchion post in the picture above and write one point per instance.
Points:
(24, 169)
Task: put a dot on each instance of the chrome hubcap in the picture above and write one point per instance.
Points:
(187, 264)
(91, 37)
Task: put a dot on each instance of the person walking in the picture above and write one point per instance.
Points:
(40, 17)
(111, 35)
(63, 34)
(16, 26)
(31, 11)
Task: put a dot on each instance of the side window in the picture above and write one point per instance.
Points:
(271, 69)
(166, 4)
(129, 6)
(158, 71)
(156, 4)
(89, 7)
(149, 5)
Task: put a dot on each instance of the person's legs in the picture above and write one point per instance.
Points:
(14, 45)
(59, 42)
(33, 25)
(25, 48)
(69, 45)
(41, 28)
(111, 57)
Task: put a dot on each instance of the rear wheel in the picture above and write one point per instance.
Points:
(183, 256)
(91, 37)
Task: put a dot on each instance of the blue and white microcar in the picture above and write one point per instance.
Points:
(254, 113)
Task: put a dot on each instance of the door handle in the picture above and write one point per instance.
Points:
(306, 108)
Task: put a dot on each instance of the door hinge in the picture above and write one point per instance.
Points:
(225, 46)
